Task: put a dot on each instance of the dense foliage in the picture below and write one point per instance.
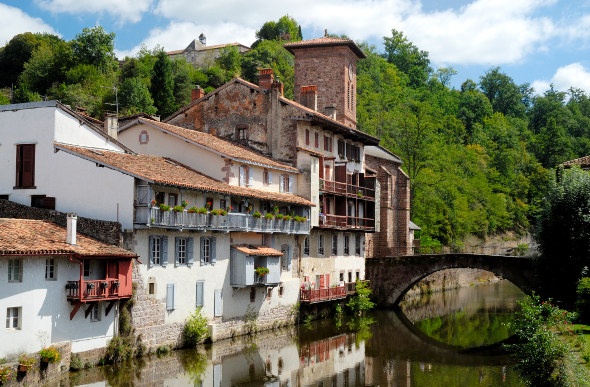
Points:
(478, 157)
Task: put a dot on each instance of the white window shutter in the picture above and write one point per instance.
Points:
(200, 301)
(164, 252)
(189, 251)
(170, 290)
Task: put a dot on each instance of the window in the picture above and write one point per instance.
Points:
(184, 251)
(346, 244)
(15, 270)
(349, 151)
(200, 300)
(95, 313)
(334, 244)
(207, 250)
(86, 268)
(50, 269)
(144, 137)
(242, 133)
(286, 258)
(341, 279)
(172, 200)
(350, 276)
(158, 250)
(306, 136)
(306, 246)
(285, 185)
(317, 140)
(328, 143)
(358, 275)
(170, 290)
(357, 245)
(320, 245)
(252, 294)
(244, 176)
(25, 166)
(13, 318)
(266, 177)
(341, 149)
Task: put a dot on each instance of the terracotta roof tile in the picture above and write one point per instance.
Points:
(39, 237)
(584, 162)
(257, 250)
(326, 41)
(218, 145)
(165, 171)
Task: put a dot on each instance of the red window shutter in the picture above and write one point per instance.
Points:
(25, 165)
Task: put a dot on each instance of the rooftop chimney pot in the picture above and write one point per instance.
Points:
(71, 228)
(266, 78)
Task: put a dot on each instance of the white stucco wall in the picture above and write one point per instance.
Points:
(46, 311)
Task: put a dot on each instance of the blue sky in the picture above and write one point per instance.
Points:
(540, 42)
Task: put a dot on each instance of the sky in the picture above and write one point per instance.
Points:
(540, 42)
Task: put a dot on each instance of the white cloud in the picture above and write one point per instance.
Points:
(121, 10)
(14, 21)
(177, 36)
(572, 75)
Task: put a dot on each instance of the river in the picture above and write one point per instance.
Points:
(428, 342)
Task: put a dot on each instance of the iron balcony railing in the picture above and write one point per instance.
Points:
(321, 295)
(154, 217)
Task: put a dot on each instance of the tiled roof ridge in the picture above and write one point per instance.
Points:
(579, 161)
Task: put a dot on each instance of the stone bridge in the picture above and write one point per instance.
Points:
(391, 277)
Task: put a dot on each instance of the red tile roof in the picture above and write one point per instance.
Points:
(216, 144)
(324, 42)
(166, 171)
(583, 162)
(258, 250)
(39, 237)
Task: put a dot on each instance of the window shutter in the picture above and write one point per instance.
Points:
(249, 175)
(199, 293)
(290, 183)
(170, 289)
(176, 250)
(269, 177)
(212, 246)
(202, 251)
(242, 176)
(151, 253)
(189, 251)
(164, 252)
(218, 303)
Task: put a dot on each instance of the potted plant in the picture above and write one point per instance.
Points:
(164, 207)
(287, 217)
(6, 374)
(154, 203)
(202, 210)
(178, 208)
(25, 362)
(183, 203)
(49, 354)
(194, 210)
(256, 214)
(269, 216)
(279, 216)
(261, 271)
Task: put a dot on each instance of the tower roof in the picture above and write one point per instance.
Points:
(326, 41)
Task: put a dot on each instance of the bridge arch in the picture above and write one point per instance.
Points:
(391, 277)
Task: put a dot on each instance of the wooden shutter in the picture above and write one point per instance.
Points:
(218, 303)
(151, 251)
(199, 294)
(189, 251)
(203, 250)
(176, 250)
(290, 184)
(25, 165)
(170, 303)
(212, 250)
(164, 250)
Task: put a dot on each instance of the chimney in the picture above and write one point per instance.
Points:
(197, 93)
(309, 96)
(330, 111)
(278, 85)
(203, 39)
(71, 229)
(265, 78)
(111, 125)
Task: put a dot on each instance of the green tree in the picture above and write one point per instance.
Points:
(134, 97)
(286, 28)
(48, 65)
(505, 96)
(474, 107)
(94, 46)
(407, 58)
(162, 86)
(269, 54)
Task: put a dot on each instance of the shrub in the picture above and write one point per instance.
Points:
(76, 363)
(26, 360)
(118, 350)
(195, 329)
(583, 299)
(361, 301)
(50, 354)
(6, 374)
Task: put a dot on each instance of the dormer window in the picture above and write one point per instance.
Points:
(242, 133)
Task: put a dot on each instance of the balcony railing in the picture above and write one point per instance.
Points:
(322, 295)
(348, 222)
(342, 188)
(94, 290)
(155, 217)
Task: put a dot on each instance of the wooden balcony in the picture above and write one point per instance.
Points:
(346, 222)
(154, 217)
(95, 290)
(347, 189)
(313, 296)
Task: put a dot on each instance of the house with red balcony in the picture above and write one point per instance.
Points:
(59, 286)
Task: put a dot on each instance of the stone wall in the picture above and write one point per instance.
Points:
(104, 231)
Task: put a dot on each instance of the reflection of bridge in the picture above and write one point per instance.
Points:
(392, 277)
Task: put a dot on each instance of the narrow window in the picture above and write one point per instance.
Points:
(252, 294)
(357, 245)
(317, 140)
(207, 250)
(13, 318)
(350, 276)
(334, 244)
(242, 133)
(306, 136)
(306, 246)
(95, 313)
(86, 268)
(244, 176)
(286, 258)
(15, 270)
(346, 245)
(172, 200)
(158, 250)
(266, 177)
(180, 251)
(341, 149)
(358, 275)
(285, 185)
(320, 244)
(341, 278)
(50, 273)
(25, 166)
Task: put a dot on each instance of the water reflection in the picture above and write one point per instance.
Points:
(390, 352)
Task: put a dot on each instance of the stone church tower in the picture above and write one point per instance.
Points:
(325, 76)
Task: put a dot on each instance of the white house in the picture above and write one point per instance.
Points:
(57, 286)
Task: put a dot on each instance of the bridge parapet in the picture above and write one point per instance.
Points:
(391, 277)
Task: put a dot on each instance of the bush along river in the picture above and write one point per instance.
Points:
(443, 339)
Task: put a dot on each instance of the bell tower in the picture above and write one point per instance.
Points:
(329, 64)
